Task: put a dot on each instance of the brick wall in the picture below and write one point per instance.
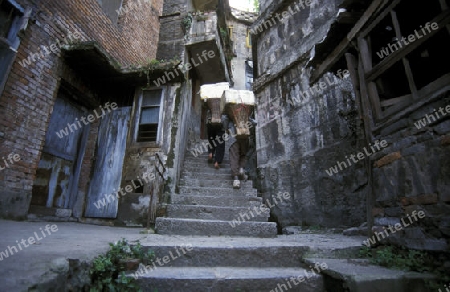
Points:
(27, 100)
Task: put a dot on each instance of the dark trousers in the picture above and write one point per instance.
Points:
(214, 147)
(238, 156)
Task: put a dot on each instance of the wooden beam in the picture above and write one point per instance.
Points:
(442, 20)
(340, 49)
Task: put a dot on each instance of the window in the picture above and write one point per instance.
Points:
(112, 8)
(149, 115)
(405, 54)
(248, 39)
(249, 75)
(12, 20)
(230, 32)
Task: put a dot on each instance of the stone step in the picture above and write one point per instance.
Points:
(229, 279)
(207, 169)
(199, 227)
(218, 183)
(204, 160)
(205, 175)
(204, 164)
(245, 191)
(227, 252)
(358, 275)
(217, 213)
(230, 256)
(221, 201)
(205, 154)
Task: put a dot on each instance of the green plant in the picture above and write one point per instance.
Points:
(409, 260)
(223, 33)
(186, 23)
(365, 252)
(108, 271)
(256, 5)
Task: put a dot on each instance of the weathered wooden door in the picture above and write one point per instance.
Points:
(58, 171)
(107, 176)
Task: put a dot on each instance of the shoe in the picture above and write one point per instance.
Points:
(216, 165)
(210, 157)
(242, 175)
(236, 184)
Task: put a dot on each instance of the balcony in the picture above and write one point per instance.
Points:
(205, 5)
(203, 35)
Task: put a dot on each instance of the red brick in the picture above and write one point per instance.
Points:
(388, 159)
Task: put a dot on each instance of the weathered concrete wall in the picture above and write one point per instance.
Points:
(242, 53)
(27, 100)
(300, 135)
(140, 157)
(171, 37)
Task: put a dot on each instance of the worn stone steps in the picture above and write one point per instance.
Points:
(214, 183)
(227, 279)
(226, 255)
(210, 170)
(358, 275)
(204, 164)
(220, 201)
(208, 191)
(217, 213)
(210, 175)
(198, 227)
(203, 160)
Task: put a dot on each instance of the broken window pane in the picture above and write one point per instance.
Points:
(149, 119)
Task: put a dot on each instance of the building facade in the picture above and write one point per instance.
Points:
(349, 94)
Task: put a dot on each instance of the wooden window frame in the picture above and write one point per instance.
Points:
(137, 117)
(12, 40)
(248, 39)
(371, 72)
(230, 31)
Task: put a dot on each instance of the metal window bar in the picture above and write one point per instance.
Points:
(158, 181)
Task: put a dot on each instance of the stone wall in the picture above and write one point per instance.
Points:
(27, 100)
(309, 135)
(304, 129)
(412, 175)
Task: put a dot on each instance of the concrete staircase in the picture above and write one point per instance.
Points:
(227, 264)
(207, 204)
(199, 249)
